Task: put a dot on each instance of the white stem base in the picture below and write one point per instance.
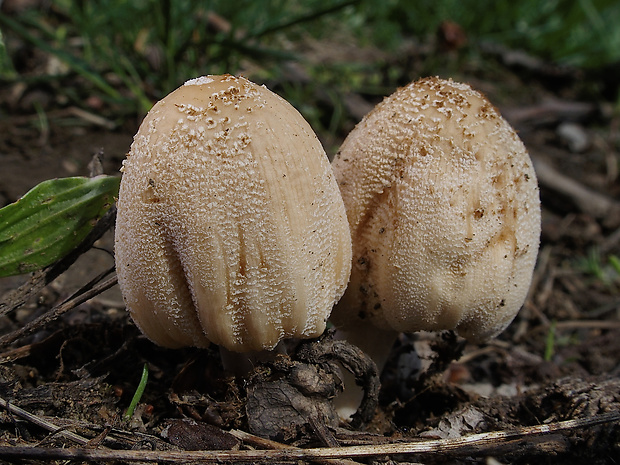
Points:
(241, 364)
(377, 344)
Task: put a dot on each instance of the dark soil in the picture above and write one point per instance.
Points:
(558, 361)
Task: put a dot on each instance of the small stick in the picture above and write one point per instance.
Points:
(14, 409)
(463, 444)
(257, 441)
(588, 324)
(324, 434)
(58, 311)
(586, 200)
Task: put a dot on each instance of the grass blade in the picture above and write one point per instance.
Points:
(72, 62)
(138, 394)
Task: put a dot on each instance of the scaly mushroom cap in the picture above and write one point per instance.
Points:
(230, 225)
(443, 205)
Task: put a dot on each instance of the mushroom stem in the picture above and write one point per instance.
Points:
(377, 344)
(241, 364)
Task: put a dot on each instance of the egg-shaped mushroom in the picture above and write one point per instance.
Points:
(230, 225)
(443, 205)
(444, 211)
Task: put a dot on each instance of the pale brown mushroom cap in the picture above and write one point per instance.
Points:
(230, 225)
(444, 210)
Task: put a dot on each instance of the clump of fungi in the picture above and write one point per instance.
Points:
(232, 229)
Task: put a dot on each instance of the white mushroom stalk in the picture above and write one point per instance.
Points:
(230, 225)
(444, 210)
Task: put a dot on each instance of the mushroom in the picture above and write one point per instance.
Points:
(230, 227)
(444, 211)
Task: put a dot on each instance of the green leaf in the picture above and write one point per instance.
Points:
(51, 220)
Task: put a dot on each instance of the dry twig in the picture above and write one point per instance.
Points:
(78, 298)
(473, 444)
(14, 409)
(257, 441)
(587, 200)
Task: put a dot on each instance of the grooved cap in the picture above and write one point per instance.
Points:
(444, 210)
(230, 225)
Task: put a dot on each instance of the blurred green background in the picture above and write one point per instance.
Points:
(116, 57)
